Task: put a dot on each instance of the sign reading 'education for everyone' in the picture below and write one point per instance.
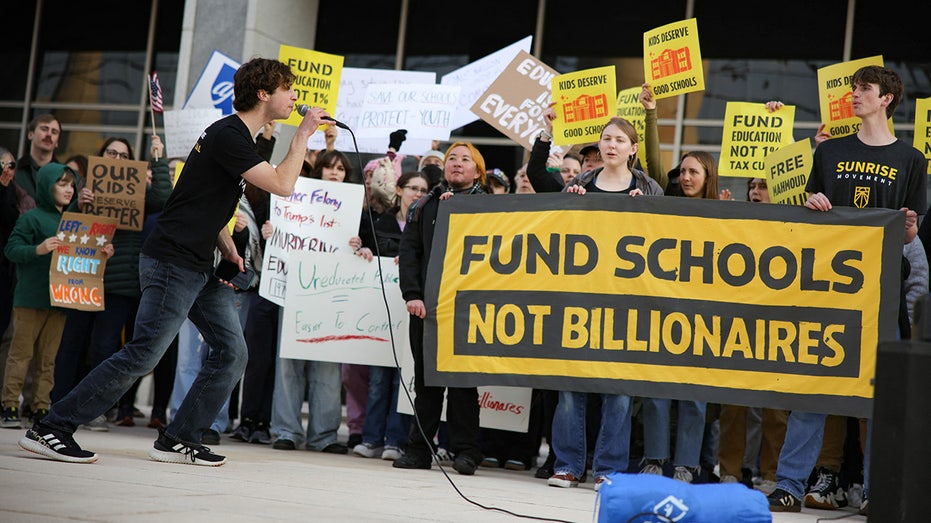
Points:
(720, 301)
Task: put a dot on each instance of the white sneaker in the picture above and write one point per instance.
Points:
(367, 450)
(98, 424)
(727, 478)
(391, 453)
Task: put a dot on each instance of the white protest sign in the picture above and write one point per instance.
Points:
(352, 85)
(505, 408)
(319, 217)
(476, 77)
(334, 310)
(214, 88)
(425, 110)
(183, 127)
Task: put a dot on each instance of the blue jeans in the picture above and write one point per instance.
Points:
(87, 333)
(612, 449)
(689, 430)
(383, 423)
(170, 293)
(193, 351)
(804, 436)
(322, 382)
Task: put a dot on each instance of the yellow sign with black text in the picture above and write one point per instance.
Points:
(663, 297)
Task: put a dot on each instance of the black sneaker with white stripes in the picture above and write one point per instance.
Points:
(55, 444)
(170, 450)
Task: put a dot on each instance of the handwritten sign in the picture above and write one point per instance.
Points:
(475, 78)
(630, 109)
(672, 59)
(119, 190)
(922, 139)
(835, 94)
(584, 102)
(334, 310)
(317, 82)
(352, 85)
(183, 128)
(318, 217)
(787, 171)
(76, 271)
(515, 101)
(750, 133)
(425, 110)
(214, 87)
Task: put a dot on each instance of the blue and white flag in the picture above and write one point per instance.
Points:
(214, 88)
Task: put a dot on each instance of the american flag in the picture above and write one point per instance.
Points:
(155, 93)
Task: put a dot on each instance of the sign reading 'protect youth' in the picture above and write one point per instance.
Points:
(728, 302)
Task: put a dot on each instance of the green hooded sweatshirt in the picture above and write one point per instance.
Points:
(31, 229)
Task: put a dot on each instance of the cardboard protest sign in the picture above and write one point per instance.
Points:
(787, 170)
(922, 140)
(319, 216)
(672, 59)
(835, 93)
(504, 408)
(515, 101)
(352, 84)
(474, 79)
(183, 128)
(425, 110)
(585, 100)
(317, 82)
(77, 267)
(214, 87)
(334, 309)
(630, 109)
(119, 190)
(750, 133)
(780, 303)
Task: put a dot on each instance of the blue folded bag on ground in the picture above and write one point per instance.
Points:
(648, 498)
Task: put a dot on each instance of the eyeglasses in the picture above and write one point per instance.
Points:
(11, 164)
(418, 190)
(113, 153)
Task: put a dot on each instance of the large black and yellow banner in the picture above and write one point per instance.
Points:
(720, 301)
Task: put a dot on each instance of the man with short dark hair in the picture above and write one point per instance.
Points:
(176, 269)
(43, 134)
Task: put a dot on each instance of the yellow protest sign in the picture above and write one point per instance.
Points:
(584, 102)
(787, 171)
(630, 109)
(750, 133)
(672, 59)
(922, 139)
(835, 93)
(760, 299)
(317, 83)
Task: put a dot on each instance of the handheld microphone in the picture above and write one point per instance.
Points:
(303, 108)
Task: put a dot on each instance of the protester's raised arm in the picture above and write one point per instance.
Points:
(280, 180)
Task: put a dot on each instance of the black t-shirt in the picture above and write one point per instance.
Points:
(853, 174)
(205, 196)
(591, 187)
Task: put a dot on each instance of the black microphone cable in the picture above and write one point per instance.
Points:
(302, 109)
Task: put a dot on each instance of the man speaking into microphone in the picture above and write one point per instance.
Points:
(175, 273)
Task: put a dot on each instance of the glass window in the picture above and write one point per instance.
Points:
(14, 51)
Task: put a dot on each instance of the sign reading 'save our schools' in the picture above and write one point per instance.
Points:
(720, 301)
